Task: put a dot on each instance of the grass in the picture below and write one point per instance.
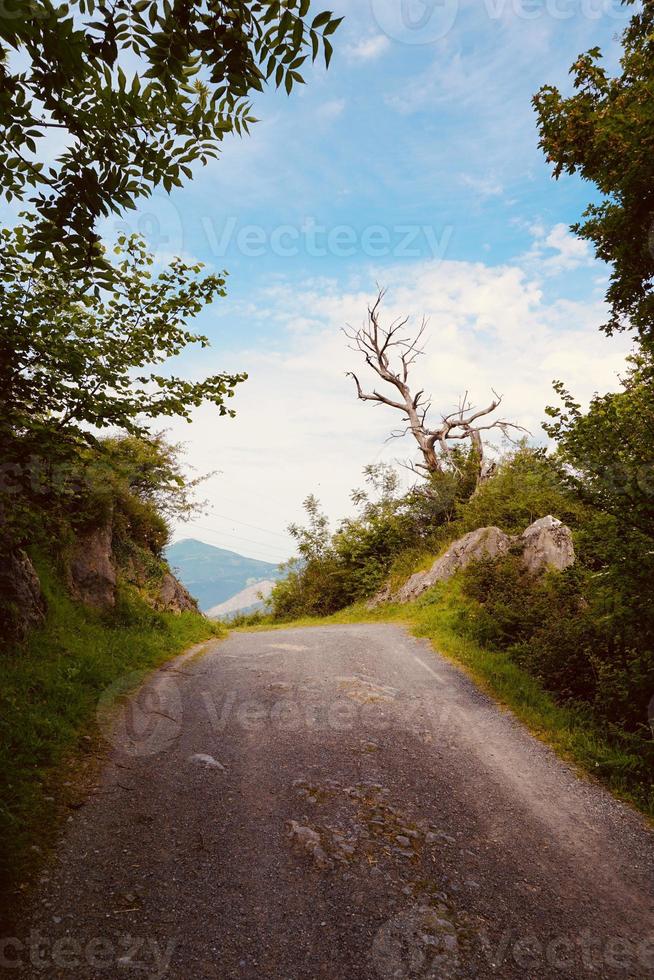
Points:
(620, 760)
(49, 690)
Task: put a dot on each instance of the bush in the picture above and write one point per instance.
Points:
(586, 634)
(335, 570)
(525, 486)
(559, 628)
(315, 588)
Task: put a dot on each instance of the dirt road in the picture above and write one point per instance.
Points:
(337, 803)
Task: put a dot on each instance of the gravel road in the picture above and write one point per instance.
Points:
(339, 803)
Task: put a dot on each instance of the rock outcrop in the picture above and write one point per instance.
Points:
(91, 569)
(385, 594)
(24, 606)
(173, 597)
(92, 576)
(485, 542)
(547, 543)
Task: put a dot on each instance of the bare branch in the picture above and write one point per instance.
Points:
(390, 352)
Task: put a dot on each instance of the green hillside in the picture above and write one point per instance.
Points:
(212, 574)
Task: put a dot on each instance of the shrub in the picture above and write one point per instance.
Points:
(525, 486)
(560, 628)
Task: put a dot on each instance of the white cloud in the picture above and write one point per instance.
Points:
(369, 48)
(570, 251)
(299, 427)
(332, 109)
(558, 250)
(485, 186)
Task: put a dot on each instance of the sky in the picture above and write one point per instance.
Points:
(413, 163)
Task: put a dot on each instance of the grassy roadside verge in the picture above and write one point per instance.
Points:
(49, 691)
(610, 755)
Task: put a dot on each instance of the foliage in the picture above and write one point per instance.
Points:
(73, 355)
(545, 623)
(136, 484)
(605, 133)
(75, 359)
(137, 91)
(609, 450)
(314, 589)
(526, 485)
(587, 634)
(394, 530)
(140, 483)
(314, 581)
(578, 633)
(313, 540)
(149, 469)
(338, 568)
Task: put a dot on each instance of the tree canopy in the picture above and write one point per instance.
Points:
(610, 448)
(137, 90)
(75, 357)
(605, 133)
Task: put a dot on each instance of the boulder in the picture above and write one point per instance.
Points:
(23, 603)
(173, 597)
(91, 571)
(547, 543)
(485, 542)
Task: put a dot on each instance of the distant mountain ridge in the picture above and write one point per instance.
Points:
(213, 575)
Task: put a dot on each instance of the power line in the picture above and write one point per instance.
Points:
(246, 492)
(229, 534)
(254, 527)
(238, 537)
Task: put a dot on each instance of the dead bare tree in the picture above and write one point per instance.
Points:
(390, 352)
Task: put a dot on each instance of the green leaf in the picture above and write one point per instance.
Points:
(323, 18)
(333, 26)
(329, 50)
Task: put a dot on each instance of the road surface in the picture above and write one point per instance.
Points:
(338, 803)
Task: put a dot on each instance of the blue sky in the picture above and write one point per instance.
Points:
(412, 162)
(438, 135)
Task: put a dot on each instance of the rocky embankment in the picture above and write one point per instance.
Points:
(547, 543)
(92, 571)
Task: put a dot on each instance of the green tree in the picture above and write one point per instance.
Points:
(148, 468)
(313, 541)
(605, 133)
(139, 90)
(609, 450)
(140, 484)
(76, 358)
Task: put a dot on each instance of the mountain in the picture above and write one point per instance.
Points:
(212, 574)
(245, 601)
